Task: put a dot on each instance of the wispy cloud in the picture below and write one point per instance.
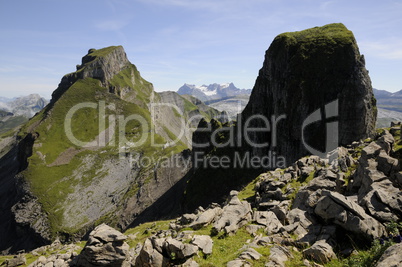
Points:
(385, 49)
(111, 24)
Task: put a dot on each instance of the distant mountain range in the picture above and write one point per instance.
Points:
(212, 91)
(25, 106)
(388, 100)
(229, 98)
(16, 111)
(389, 107)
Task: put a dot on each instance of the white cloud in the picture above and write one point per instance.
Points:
(385, 49)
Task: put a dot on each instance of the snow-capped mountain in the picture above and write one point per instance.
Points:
(25, 106)
(212, 91)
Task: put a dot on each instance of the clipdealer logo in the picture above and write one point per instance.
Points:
(332, 129)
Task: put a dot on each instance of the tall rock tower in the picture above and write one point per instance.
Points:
(315, 92)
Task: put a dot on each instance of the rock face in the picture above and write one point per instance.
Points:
(304, 72)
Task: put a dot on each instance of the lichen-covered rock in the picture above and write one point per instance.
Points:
(302, 73)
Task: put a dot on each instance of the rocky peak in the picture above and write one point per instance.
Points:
(101, 64)
(304, 72)
(104, 64)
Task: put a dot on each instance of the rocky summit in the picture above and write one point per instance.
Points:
(310, 78)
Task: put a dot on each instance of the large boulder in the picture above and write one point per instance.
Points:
(203, 242)
(391, 257)
(105, 247)
(206, 217)
(235, 215)
(278, 256)
(150, 256)
(343, 211)
(320, 251)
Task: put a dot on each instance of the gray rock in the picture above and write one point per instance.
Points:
(253, 228)
(397, 177)
(269, 220)
(206, 217)
(190, 263)
(60, 263)
(250, 254)
(236, 214)
(203, 242)
(320, 251)
(238, 263)
(16, 261)
(321, 183)
(338, 209)
(303, 218)
(392, 257)
(150, 257)
(178, 250)
(377, 208)
(187, 218)
(105, 247)
(278, 256)
(42, 260)
(387, 164)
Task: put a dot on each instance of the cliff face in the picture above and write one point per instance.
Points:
(304, 72)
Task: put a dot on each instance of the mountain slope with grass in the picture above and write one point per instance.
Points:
(105, 149)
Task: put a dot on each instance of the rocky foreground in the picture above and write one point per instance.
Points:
(314, 212)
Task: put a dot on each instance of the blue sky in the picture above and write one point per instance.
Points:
(173, 42)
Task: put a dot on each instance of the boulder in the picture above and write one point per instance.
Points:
(250, 254)
(269, 220)
(16, 261)
(203, 242)
(149, 256)
(178, 251)
(391, 257)
(340, 210)
(206, 217)
(238, 263)
(105, 247)
(320, 251)
(278, 256)
(235, 214)
(383, 203)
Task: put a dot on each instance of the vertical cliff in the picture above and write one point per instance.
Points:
(316, 70)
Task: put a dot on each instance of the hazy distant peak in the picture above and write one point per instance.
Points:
(212, 91)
